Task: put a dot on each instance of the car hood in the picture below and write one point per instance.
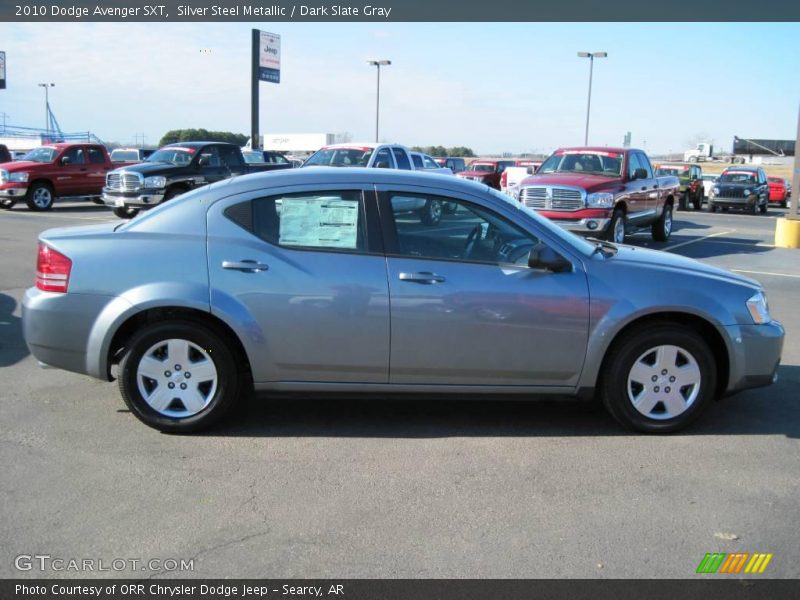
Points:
(22, 165)
(676, 263)
(573, 179)
(150, 168)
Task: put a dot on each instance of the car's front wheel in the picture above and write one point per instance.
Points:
(658, 378)
(616, 229)
(40, 197)
(179, 376)
(126, 212)
(431, 213)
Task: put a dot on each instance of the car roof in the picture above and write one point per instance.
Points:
(747, 169)
(372, 145)
(599, 149)
(351, 175)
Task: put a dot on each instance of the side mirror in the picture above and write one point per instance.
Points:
(544, 257)
(640, 174)
(64, 161)
(530, 170)
(382, 164)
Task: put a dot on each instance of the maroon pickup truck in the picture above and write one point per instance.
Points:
(55, 171)
(604, 192)
(486, 171)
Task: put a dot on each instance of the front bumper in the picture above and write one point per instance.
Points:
(589, 221)
(13, 190)
(727, 202)
(140, 198)
(755, 355)
(587, 226)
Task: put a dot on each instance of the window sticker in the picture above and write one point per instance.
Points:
(327, 222)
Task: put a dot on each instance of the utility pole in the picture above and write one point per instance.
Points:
(47, 87)
(591, 56)
(5, 115)
(379, 64)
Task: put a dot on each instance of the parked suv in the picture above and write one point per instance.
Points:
(691, 181)
(744, 188)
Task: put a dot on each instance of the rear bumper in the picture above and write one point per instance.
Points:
(755, 356)
(57, 327)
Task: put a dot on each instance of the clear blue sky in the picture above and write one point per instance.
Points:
(494, 87)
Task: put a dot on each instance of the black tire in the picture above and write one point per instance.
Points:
(40, 197)
(712, 207)
(782, 204)
(683, 202)
(97, 200)
(616, 391)
(125, 212)
(614, 232)
(752, 208)
(697, 203)
(432, 212)
(228, 383)
(762, 208)
(661, 229)
(172, 193)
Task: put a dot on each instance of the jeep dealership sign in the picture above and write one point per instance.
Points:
(269, 57)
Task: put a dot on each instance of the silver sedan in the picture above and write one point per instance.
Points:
(329, 280)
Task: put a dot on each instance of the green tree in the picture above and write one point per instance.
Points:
(202, 135)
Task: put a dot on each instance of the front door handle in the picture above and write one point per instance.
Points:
(422, 277)
(247, 265)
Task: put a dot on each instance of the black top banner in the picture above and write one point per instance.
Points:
(401, 11)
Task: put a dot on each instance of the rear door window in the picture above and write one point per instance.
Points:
(402, 159)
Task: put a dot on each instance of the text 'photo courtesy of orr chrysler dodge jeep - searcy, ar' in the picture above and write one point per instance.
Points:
(321, 281)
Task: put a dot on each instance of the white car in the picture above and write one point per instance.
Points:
(708, 183)
(423, 162)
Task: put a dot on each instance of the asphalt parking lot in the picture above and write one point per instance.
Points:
(357, 488)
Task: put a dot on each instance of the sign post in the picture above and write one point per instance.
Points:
(787, 229)
(266, 66)
(2, 70)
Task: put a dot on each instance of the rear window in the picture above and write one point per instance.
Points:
(340, 157)
(588, 162)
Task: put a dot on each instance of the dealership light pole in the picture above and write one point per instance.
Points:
(47, 87)
(591, 56)
(379, 64)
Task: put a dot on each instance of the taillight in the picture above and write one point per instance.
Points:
(504, 179)
(52, 270)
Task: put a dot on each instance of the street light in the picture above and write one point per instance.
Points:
(591, 56)
(47, 87)
(379, 64)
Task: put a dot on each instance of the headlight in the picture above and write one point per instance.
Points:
(600, 200)
(158, 181)
(3, 176)
(715, 191)
(18, 177)
(759, 310)
(747, 192)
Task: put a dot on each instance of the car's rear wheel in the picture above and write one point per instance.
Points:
(126, 212)
(683, 201)
(179, 376)
(616, 229)
(658, 378)
(40, 197)
(698, 200)
(431, 213)
(662, 228)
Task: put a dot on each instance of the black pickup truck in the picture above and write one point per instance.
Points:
(171, 171)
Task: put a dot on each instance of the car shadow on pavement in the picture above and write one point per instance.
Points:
(12, 345)
(767, 411)
(72, 208)
(721, 246)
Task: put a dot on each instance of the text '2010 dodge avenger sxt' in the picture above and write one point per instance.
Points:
(331, 280)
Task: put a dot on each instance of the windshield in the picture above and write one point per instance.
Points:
(593, 163)
(41, 155)
(253, 158)
(340, 157)
(176, 156)
(482, 168)
(671, 171)
(572, 239)
(737, 177)
(117, 155)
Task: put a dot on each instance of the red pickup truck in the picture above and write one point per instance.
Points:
(55, 171)
(605, 192)
(486, 171)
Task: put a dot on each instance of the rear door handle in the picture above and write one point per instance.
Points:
(247, 265)
(422, 277)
